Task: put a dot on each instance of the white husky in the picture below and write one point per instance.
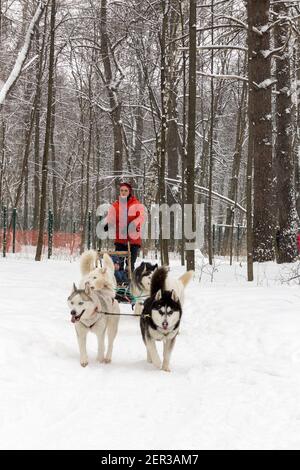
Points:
(97, 277)
(87, 313)
(95, 296)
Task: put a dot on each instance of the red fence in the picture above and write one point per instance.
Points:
(62, 240)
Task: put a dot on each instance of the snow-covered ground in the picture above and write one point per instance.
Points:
(235, 380)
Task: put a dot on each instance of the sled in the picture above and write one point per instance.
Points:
(123, 294)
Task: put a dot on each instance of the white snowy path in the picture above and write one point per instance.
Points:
(235, 380)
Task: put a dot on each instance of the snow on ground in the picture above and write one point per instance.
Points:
(235, 380)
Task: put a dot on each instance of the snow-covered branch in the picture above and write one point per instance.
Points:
(266, 83)
(224, 77)
(17, 70)
(217, 47)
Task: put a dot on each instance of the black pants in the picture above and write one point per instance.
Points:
(134, 250)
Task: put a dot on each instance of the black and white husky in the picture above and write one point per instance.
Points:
(161, 315)
(141, 284)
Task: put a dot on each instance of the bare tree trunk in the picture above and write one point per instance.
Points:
(173, 138)
(62, 194)
(24, 168)
(39, 49)
(235, 172)
(211, 145)
(44, 195)
(259, 68)
(53, 164)
(286, 235)
(190, 173)
(163, 134)
(112, 94)
(183, 150)
(2, 157)
(297, 146)
(139, 122)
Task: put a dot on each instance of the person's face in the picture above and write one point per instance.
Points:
(124, 192)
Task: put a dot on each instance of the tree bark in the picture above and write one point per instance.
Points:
(286, 235)
(112, 94)
(235, 172)
(163, 134)
(260, 112)
(190, 167)
(2, 157)
(43, 202)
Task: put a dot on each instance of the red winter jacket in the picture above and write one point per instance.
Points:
(127, 216)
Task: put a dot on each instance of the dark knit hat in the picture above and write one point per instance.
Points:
(128, 185)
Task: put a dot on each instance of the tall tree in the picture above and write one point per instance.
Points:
(260, 117)
(112, 89)
(190, 164)
(44, 194)
(286, 235)
(163, 134)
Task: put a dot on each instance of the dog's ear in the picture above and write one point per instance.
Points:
(158, 295)
(87, 288)
(74, 288)
(174, 296)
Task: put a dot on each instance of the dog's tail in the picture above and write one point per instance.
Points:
(186, 277)
(88, 261)
(158, 280)
(108, 262)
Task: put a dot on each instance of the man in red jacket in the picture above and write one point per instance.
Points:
(127, 215)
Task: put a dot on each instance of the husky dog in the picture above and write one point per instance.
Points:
(160, 319)
(97, 277)
(87, 306)
(141, 283)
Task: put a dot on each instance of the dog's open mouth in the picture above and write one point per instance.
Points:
(76, 318)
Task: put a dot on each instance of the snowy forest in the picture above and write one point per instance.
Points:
(191, 101)
(189, 109)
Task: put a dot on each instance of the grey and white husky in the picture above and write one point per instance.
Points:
(141, 284)
(161, 315)
(87, 306)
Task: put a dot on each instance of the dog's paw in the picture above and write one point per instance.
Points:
(157, 365)
(83, 363)
(101, 360)
(166, 368)
(107, 360)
